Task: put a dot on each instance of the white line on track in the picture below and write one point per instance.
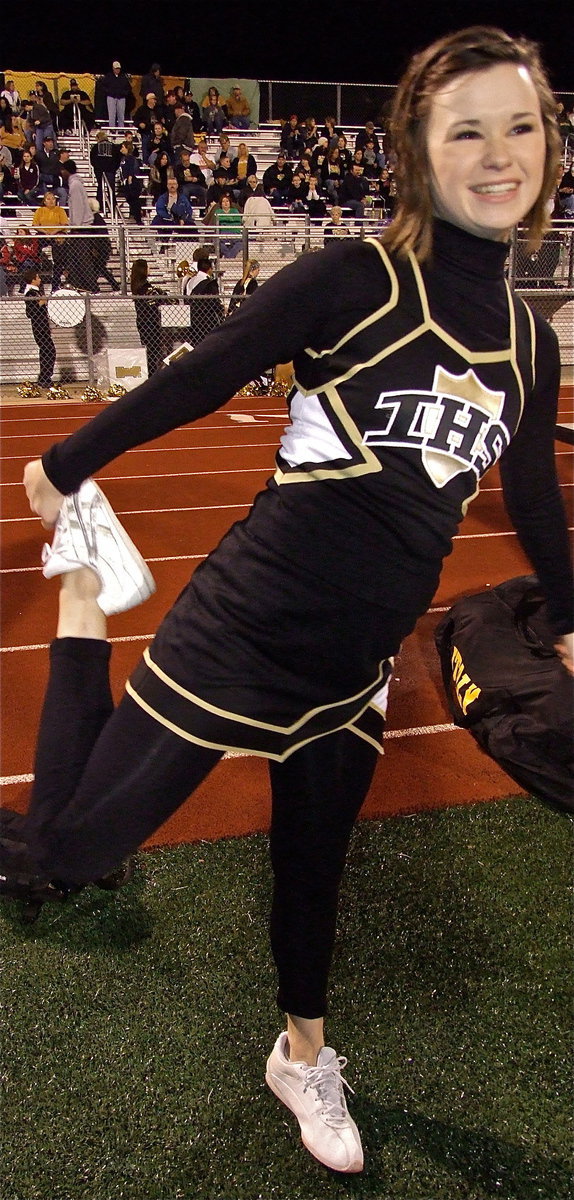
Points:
(140, 512)
(6, 780)
(175, 474)
(206, 429)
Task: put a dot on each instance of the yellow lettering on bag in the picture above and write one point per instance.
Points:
(466, 691)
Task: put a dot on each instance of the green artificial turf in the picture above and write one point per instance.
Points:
(136, 1025)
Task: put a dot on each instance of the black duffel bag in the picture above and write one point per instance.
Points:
(505, 683)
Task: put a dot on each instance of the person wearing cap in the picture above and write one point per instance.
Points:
(75, 102)
(153, 82)
(192, 107)
(238, 109)
(117, 90)
(144, 119)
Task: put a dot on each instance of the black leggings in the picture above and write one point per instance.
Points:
(106, 779)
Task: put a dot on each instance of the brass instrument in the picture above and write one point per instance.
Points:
(183, 269)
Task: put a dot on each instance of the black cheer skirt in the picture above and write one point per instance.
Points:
(260, 655)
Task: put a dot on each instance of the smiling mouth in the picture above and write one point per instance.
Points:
(494, 189)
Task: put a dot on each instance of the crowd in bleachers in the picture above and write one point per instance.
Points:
(171, 161)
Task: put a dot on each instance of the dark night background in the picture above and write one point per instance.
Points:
(364, 42)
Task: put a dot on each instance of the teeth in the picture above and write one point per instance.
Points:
(494, 188)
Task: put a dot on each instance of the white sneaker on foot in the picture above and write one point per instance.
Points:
(316, 1096)
(88, 534)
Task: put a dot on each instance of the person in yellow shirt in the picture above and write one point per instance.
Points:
(238, 109)
(48, 219)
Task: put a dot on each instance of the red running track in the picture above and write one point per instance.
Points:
(176, 497)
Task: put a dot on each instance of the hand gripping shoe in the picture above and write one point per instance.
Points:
(316, 1096)
(88, 534)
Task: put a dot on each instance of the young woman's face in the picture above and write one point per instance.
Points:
(225, 203)
(486, 148)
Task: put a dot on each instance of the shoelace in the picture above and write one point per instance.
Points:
(328, 1082)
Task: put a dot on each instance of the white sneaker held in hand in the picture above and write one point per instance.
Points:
(88, 534)
(316, 1096)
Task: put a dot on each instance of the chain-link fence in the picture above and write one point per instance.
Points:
(76, 310)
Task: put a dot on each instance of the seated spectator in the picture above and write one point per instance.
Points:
(566, 194)
(192, 107)
(182, 135)
(212, 112)
(304, 166)
(277, 177)
(238, 109)
(200, 156)
(332, 174)
(358, 157)
(75, 103)
(336, 227)
(320, 155)
(8, 190)
(226, 165)
(169, 114)
(371, 165)
(6, 113)
(297, 193)
(367, 135)
(153, 83)
(220, 187)
(257, 211)
(52, 222)
(565, 126)
(252, 188)
(202, 292)
(191, 179)
(159, 141)
(129, 184)
(27, 177)
(173, 209)
(316, 206)
(292, 139)
(225, 147)
(380, 188)
(244, 286)
(12, 95)
(40, 121)
(8, 266)
(243, 165)
(310, 133)
(144, 119)
(49, 167)
(331, 132)
(12, 138)
(345, 153)
(353, 190)
(158, 175)
(228, 222)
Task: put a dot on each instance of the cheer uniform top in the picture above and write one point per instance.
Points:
(410, 383)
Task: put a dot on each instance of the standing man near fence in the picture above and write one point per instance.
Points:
(37, 314)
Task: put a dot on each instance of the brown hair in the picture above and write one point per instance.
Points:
(139, 277)
(473, 49)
